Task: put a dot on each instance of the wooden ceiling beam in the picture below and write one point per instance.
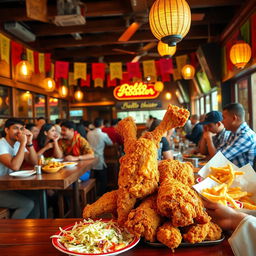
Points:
(210, 3)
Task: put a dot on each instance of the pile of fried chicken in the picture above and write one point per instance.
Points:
(155, 200)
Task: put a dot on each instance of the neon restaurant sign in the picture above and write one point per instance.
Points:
(135, 91)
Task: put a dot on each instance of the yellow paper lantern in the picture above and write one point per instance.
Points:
(63, 91)
(159, 86)
(240, 54)
(170, 20)
(79, 95)
(165, 49)
(24, 69)
(188, 72)
(49, 84)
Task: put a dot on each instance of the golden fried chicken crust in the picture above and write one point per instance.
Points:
(144, 220)
(174, 169)
(180, 203)
(105, 204)
(169, 235)
(214, 232)
(196, 233)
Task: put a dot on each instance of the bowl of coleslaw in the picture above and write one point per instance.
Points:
(94, 237)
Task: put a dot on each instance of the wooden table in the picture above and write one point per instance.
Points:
(59, 180)
(32, 237)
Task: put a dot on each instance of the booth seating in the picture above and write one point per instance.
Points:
(87, 194)
(4, 213)
(111, 155)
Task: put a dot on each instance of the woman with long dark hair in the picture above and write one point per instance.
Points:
(47, 141)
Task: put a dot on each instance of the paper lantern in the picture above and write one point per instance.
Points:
(170, 20)
(165, 49)
(49, 84)
(79, 95)
(240, 54)
(63, 91)
(24, 69)
(188, 72)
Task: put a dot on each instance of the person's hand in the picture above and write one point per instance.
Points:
(49, 145)
(29, 136)
(22, 138)
(207, 135)
(56, 137)
(226, 217)
(70, 158)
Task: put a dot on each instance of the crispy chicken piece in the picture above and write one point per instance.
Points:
(196, 233)
(182, 172)
(105, 204)
(214, 232)
(169, 235)
(144, 220)
(180, 203)
(138, 173)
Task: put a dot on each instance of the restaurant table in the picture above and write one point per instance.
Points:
(30, 237)
(59, 180)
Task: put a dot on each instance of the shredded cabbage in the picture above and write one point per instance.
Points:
(89, 236)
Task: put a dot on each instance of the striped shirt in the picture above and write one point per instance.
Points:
(240, 148)
(220, 138)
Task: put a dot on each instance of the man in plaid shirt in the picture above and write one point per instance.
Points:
(240, 147)
(214, 134)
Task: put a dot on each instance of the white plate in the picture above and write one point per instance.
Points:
(22, 173)
(59, 246)
(70, 165)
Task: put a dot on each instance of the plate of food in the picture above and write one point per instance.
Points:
(94, 237)
(70, 165)
(199, 156)
(185, 244)
(22, 174)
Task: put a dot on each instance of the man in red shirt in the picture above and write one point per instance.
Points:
(111, 132)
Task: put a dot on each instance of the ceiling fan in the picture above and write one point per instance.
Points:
(143, 51)
(140, 16)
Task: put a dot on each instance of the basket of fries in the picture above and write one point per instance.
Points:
(227, 184)
(52, 167)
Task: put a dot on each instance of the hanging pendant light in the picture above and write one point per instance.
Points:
(159, 86)
(165, 49)
(49, 84)
(24, 69)
(168, 95)
(79, 95)
(240, 54)
(63, 91)
(170, 20)
(188, 72)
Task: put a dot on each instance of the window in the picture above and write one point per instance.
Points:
(202, 111)
(24, 103)
(207, 103)
(39, 105)
(242, 94)
(5, 95)
(54, 109)
(214, 96)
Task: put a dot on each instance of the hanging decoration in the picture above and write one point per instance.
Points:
(80, 70)
(170, 20)
(79, 95)
(181, 61)
(110, 82)
(133, 69)
(116, 70)
(86, 82)
(71, 80)
(36, 64)
(5, 48)
(176, 74)
(16, 51)
(49, 84)
(30, 58)
(98, 71)
(240, 54)
(149, 69)
(188, 72)
(47, 62)
(253, 35)
(98, 82)
(61, 69)
(125, 79)
(166, 50)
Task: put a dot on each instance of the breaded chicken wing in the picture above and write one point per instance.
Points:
(214, 232)
(144, 220)
(169, 235)
(105, 204)
(180, 203)
(174, 169)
